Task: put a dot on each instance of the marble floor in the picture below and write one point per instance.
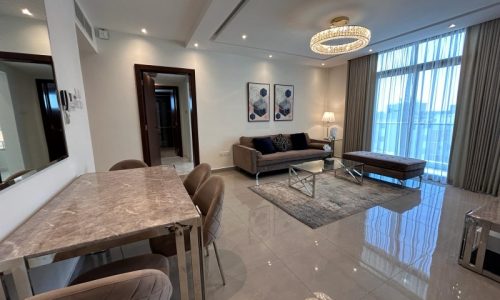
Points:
(406, 249)
(181, 164)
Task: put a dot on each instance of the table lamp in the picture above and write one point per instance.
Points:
(328, 118)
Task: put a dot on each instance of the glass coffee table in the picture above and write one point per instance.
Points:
(302, 176)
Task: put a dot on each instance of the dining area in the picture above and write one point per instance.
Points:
(100, 211)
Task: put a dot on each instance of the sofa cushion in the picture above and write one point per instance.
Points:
(264, 145)
(290, 156)
(386, 161)
(299, 141)
(282, 143)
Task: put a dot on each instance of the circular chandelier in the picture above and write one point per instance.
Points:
(339, 30)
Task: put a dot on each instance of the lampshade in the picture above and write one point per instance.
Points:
(328, 116)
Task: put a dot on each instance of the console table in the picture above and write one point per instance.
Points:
(99, 211)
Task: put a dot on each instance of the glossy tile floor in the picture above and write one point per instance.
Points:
(406, 249)
(182, 165)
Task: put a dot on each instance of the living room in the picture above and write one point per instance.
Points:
(346, 141)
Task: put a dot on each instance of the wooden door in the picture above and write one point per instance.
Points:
(152, 123)
(170, 118)
(52, 119)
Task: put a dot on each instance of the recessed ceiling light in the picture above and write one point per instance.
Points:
(244, 36)
(370, 50)
(196, 45)
(452, 25)
(322, 64)
(144, 30)
(26, 12)
(270, 56)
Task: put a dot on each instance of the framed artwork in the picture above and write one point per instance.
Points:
(258, 102)
(283, 102)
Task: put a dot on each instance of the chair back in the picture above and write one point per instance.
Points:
(142, 284)
(128, 164)
(209, 198)
(196, 178)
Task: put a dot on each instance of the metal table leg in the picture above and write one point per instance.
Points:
(181, 261)
(197, 261)
(310, 191)
(3, 296)
(21, 278)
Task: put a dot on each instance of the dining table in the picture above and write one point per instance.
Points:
(102, 210)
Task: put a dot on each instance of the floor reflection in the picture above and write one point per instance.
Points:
(403, 237)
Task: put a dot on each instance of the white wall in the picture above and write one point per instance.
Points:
(23, 199)
(11, 157)
(221, 83)
(29, 121)
(24, 35)
(337, 88)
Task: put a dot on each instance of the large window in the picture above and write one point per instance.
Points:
(415, 101)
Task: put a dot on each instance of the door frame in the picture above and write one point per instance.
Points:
(177, 111)
(139, 70)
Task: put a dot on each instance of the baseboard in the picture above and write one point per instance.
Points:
(218, 170)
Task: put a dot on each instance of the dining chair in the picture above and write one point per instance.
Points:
(142, 284)
(196, 177)
(17, 174)
(208, 199)
(135, 263)
(128, 164)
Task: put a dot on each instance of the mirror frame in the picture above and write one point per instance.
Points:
(36, 59)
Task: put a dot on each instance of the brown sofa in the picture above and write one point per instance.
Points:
(247, 158)
(398, 167)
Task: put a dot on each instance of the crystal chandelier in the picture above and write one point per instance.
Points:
(339, 30)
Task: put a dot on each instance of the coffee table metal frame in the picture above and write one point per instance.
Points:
(306, 184)
(357, 175)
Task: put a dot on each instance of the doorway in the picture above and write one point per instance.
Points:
(168, 116)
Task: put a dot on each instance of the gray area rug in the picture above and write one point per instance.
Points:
(336, 198)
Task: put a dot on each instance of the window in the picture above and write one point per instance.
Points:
(415, 101)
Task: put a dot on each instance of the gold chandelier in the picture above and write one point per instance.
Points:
(340, 30)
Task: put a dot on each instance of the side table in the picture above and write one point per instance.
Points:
(332, 144)
(480, 237)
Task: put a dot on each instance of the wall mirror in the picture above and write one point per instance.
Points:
(31, 125)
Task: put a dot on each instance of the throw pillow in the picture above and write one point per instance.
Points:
(282, 143)
(299, 141)
(264, 145)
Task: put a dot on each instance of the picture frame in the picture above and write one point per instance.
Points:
(283, 102)
(259, 107)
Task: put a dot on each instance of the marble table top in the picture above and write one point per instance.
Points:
(99, 207)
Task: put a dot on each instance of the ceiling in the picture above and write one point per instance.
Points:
(43, 71)
(13, 8)
(166, 19)
(281, 28)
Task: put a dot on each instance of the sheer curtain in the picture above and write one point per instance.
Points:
(415, 101)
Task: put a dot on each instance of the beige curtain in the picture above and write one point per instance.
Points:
(475, 150)
(359, 103)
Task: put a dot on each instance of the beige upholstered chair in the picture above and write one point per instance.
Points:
(141, 262)
(196, 178)
(208, 198)
(143, 284)
(128, 164)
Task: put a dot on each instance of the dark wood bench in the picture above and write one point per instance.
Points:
(401, 168)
